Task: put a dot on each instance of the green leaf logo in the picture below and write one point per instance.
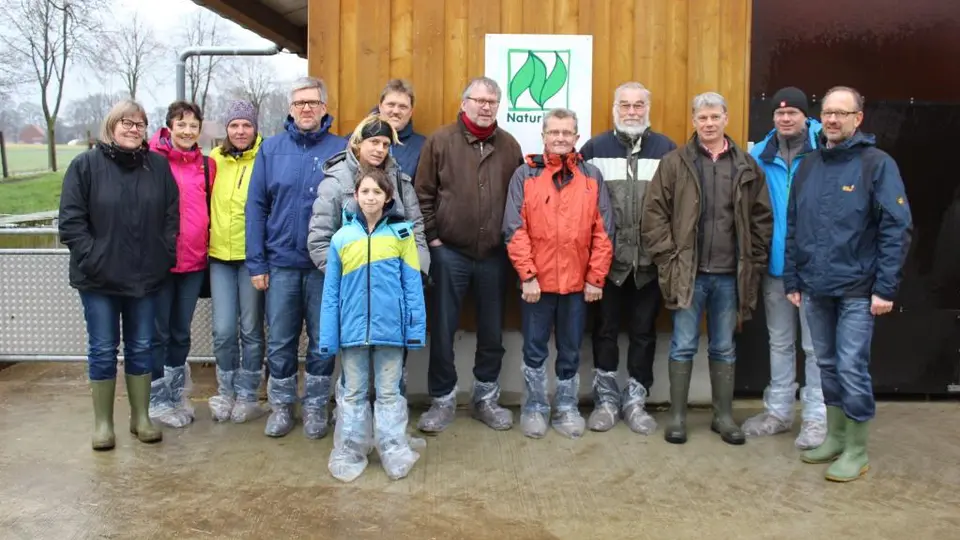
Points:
(532, 76)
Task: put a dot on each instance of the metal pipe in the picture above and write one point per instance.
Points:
(16, 231)
(34, 251)
(78, 358)
(214, 51)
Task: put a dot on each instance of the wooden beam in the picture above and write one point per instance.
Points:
(261, 20)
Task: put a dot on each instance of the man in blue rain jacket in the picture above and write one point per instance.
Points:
(848, 234)
(286, 174)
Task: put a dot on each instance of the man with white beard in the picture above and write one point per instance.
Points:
(628, 157)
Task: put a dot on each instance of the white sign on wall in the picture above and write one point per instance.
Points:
(538, 73)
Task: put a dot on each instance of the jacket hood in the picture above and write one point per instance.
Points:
(310, 136)
(352, 213)
(162, 143)
(858, 140)
(771, 144)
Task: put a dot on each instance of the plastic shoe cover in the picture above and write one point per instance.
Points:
(487, 410)
(533, 424)
(634, 412)
(639, 420)
(568, 423)
(315, 398)
(416, 443)
(282, 394)
(567, 396)
(441, 414)
(603, 417)
(180, 385)
(780, 401)
(605, 388)
(390, 425)
(246, 411)
(352, 440)
(221, 407)
(162, 409)
(814, 409)
(765, 424)
(226, 382)
(812, 435)
(247, 385)
(535, 388)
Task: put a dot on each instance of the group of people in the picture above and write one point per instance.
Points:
(343, 235)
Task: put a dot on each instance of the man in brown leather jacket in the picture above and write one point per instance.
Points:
(462, 180)
(707, 224)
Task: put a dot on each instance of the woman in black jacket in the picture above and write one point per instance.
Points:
(119, 216)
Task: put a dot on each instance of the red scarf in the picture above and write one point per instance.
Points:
(482, 133)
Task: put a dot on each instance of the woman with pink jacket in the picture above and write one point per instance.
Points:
(177, 297)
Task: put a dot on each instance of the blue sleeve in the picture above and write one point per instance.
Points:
(330, 306)
(895, 227)
(790, 282)
(415, 325)
(257, 210)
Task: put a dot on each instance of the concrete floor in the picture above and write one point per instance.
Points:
(228, 481)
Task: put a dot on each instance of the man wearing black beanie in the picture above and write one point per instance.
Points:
(780, 153)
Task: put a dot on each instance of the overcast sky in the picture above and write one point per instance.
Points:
(166, 17)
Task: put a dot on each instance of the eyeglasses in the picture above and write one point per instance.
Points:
(313, 104)
(842, 115)
(559, 133)
(130, 124)
(484, 102)
(624, 106)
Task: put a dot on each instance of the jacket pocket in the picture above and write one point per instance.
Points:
(665, 276)
(92, 263)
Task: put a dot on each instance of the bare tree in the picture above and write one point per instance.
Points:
(254, 79)
(42, 38)
(273, 112)
(87, 114)
(203, 28)
(133, 50)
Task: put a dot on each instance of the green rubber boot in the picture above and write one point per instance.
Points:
(675, 431)
(721, 383)
(103, 394)
(138, 391)
(853, 462)
(833, 445)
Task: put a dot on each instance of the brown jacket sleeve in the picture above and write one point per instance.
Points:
(426, 187)
(656, 232)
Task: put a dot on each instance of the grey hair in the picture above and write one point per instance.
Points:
(561, 113)
(857, 97)
(708, 99)
(486, 81)
(632, 85)
(305, 83)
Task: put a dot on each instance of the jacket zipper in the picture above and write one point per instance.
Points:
(369, 312)
(240, 180)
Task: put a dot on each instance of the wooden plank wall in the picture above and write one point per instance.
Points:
(677, 48)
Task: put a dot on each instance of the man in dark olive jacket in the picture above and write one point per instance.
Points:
(848, 233)
(707, 223)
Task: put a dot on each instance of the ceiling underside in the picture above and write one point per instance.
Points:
(283, 22)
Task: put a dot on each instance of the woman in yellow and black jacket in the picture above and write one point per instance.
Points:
(238, 338)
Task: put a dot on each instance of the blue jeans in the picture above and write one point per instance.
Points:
(294, 297)
(103, 314)
(717, 293)
(387, 373)
(452, 273)
(234, 299)
(842, 329)
(566, 312)
(176, 302)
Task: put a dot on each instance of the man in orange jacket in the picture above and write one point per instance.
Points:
(558, 225)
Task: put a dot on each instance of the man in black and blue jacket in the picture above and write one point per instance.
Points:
(628, 157)
(848, 233)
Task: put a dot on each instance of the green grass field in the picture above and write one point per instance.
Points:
(31, 158)
(37, 193)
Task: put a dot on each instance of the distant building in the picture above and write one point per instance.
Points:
(33, 134)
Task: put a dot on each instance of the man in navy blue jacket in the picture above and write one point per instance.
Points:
(628, 157)
(283, 186)
(396, 105)
(848, 234)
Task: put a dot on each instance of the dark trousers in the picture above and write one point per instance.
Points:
(642, 307)
(453, 273)
(563, 315)
(106, 315)
(176, 300)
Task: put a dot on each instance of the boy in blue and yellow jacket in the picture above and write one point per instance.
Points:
(373, 308)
